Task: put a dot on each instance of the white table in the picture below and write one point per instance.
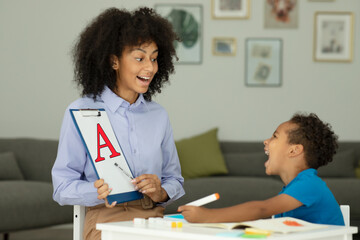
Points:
(131, 231)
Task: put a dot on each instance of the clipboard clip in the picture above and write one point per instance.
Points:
(90, 112)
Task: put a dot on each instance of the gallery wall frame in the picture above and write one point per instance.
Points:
(224, 46)
(263, 62)
(230, 9)
(333, 36)
(321, 0)
(187, 21)
(281, 14)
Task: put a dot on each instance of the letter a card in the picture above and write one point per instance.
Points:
(105, 153)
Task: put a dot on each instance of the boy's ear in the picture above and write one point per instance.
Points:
(114, 62)
(296, 150)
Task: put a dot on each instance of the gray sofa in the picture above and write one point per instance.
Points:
(25, 185)
(26, 190)
(247, 180)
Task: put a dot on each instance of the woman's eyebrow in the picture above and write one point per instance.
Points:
(142, 50)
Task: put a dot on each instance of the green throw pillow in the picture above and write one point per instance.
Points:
(357, 172)
(201, 155)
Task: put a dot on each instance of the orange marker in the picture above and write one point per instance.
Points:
(292, 223)
(205, 200)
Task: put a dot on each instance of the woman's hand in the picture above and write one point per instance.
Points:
(195, 214)
(103, 191)
(150, 185)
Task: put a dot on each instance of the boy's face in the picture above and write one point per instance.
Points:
(278, 148)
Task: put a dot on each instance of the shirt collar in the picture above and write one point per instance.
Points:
(114, 102)
(309, 171)
(306, 172)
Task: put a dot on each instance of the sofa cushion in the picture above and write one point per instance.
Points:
(201, 155)
(346, 192)
(9, 169)
(30, 205)
(342, 165)
(35, 157)
(246, 164)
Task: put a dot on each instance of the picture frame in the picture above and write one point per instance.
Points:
(230, 9)
(187, 21)
(281, 15)
(321, 0)
(263, 62)
(224, 46)
(333, 36)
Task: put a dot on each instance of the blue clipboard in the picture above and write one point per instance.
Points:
(105, 153)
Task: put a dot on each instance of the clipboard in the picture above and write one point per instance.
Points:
(105, 153)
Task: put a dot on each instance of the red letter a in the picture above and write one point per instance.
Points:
(108, 144)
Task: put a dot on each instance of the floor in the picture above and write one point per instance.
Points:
(61, 232)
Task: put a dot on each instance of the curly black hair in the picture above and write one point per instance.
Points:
(108, 34)
(317, 138)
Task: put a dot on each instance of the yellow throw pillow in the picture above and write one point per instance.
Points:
(201, 155)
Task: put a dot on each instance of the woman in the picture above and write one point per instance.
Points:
(121, 60)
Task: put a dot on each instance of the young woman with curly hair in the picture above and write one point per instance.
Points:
(121, 60)
(296, 150)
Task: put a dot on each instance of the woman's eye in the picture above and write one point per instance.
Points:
(139, 59)
(154, 59)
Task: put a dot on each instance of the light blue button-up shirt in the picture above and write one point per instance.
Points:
(145, 135)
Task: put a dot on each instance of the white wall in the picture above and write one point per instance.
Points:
(36, 73)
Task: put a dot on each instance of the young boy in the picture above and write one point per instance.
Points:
(296, 149)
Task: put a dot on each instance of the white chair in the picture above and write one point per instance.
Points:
(78, 225)
(345, 210)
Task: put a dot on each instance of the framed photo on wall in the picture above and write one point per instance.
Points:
(281, 14)
(187, 23)
(333, 36)
(224, 46)
(230, 9)
(263, 59)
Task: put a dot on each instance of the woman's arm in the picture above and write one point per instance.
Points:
(69, 183)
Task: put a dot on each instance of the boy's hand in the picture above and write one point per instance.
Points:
(195, 214)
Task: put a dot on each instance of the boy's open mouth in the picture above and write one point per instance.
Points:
(268, 154)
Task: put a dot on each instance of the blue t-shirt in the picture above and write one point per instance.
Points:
(319, 204)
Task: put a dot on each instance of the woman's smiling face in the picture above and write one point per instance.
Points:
(135, 70)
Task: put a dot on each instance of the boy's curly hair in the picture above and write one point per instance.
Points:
(317, 138)
(109, 34)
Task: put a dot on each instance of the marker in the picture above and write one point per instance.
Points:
(204, 200)
(128, 175)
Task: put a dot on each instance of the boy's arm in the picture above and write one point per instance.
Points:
(242, 212)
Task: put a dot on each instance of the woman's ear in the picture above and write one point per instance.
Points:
(114, 62)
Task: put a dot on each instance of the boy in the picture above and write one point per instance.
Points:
(296, 149)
